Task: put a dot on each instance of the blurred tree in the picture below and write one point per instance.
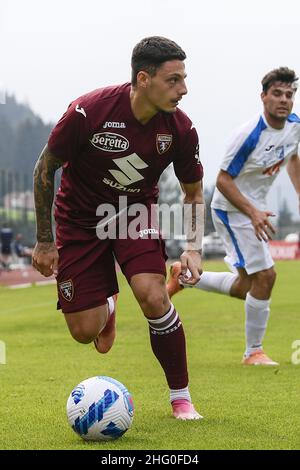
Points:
(208, 194)
(30, 138)
(285, 216)
(285, 222)
(22, 136)
(6, 144)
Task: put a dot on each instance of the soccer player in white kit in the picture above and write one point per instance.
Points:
(256, 153)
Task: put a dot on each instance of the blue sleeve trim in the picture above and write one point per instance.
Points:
(248, 146)
(293, 118)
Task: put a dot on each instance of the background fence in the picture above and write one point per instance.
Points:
(16, 203)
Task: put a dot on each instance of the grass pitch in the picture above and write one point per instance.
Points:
(244, 407)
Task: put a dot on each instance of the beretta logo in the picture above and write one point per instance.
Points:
(110, 142)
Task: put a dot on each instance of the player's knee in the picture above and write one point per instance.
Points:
(151, 293)
(153, 302)
(266, 279)
(83, 333)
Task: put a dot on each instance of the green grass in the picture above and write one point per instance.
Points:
(244, 407)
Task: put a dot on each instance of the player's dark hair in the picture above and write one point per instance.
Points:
(150, 53)
(282, 74)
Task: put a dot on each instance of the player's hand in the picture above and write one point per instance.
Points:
(191, 267)
(45, 258)
(262, 226)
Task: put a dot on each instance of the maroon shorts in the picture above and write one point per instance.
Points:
(86, 269)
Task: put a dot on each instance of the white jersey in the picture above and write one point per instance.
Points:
(254, 157)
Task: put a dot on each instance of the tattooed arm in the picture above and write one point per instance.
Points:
(194, 214)
(45, 255)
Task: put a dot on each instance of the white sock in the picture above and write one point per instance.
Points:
(180, 394)
(257, 314)
(215, 282)
(110, 308)
(111, 305)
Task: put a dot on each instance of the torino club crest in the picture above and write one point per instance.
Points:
(67, 290)
(163, 142)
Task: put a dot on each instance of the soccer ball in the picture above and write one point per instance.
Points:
(100, 408)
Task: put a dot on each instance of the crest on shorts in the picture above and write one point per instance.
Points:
(67, 290)
(163, 142)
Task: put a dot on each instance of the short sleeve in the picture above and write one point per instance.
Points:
(241, 144)
(187, 165)
(232, 148)
(70, 133)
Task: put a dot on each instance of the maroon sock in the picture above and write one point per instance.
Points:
(168, 344)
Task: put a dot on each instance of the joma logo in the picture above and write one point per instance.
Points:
(110, 142)
(119, 125)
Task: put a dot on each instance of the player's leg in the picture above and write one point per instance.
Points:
(95, 324)
(87, 286)
(257, 309)
(106, 336)
(235, 285)
(85, 325)
(241, 285)
(167, 338)
(145, 272)
(251, 257)
(237, 282)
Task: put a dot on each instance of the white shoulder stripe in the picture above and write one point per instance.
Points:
(80, 110)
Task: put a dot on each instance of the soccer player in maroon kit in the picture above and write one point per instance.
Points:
(115, 142)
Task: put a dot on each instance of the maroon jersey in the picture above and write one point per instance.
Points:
(108, 153)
